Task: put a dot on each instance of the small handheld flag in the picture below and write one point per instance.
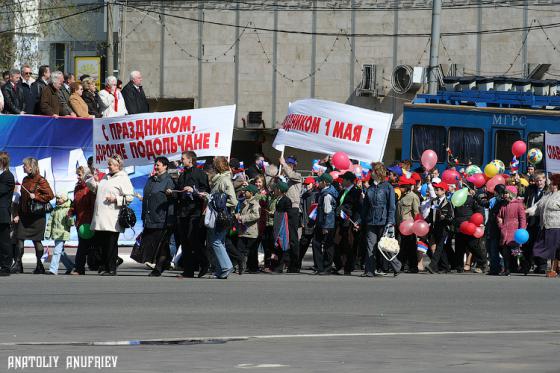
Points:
(422, 247)
(313, 213)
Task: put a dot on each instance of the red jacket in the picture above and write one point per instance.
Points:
(84, 200)
(513, 218)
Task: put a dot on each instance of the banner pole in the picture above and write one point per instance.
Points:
(281, 156)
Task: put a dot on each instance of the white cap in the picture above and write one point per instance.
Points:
(436, 180)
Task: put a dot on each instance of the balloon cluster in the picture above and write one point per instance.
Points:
(419, 227)
(473, 227)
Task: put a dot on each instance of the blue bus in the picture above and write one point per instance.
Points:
(477, 127)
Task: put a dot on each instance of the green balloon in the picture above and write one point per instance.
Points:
(460, 197)
(85, 232)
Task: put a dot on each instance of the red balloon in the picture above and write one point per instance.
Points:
(491, 184)
(462, 227)
(335, 174)
(341, 161)
(519, 148)
(469, 229)
(406, 227)
(477, 179)
(477, 219)
(450, 176)
(420, 228)
(478, 232)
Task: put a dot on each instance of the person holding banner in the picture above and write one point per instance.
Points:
(291, 257)
(7, 184)
(31, 223)
(112, 193)
(190, 184)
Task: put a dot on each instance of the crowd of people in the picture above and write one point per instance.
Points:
(215, 216)
(59, 94)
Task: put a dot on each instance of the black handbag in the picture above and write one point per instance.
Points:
(127, 217)
(38, 208)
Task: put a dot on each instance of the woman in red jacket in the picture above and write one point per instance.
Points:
(84, 200)
(511, 217)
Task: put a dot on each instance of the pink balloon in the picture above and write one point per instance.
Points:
(477, 179)
(478, 232)
(335, 174)
(421, 228)
(406, 227)
(450, 176)
(429, 159)
(519, 148)
(341, 161)
(491, 184)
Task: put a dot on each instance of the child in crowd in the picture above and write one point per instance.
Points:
(511, 217)
(58, 229)
(249, 240)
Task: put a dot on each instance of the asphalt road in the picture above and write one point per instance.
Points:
(285, 323)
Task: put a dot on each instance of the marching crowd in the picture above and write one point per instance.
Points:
(219, 213)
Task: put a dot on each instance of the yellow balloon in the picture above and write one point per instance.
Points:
(490, 170)
(524, 182)
(398, 192)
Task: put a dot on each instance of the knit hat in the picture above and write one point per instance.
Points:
(309, 180)
(512, 190)
(326, 178)
(282, 186)
(291, 160)
(251, 189)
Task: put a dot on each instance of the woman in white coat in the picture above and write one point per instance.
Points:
(113, 191)
(112, 100)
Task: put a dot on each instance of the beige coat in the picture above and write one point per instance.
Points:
(105, 214)
(249, 216)
(294, 186)
(221, 183)
(79, 106)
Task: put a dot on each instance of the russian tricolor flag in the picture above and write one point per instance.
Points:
(422, 247)
(313, 211)
(343, 215)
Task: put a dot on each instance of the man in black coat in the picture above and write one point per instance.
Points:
(533, 195)
(189, 211)
(26, 81)
(14, 101)
(464, 242)
(346, 239)
(37, 88)
(134, 96)
(7, 184)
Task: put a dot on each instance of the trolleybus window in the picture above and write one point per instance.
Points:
(428, 137)
(536, 140)
(467, 144)
(502, 145)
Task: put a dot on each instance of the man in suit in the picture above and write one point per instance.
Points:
(7, 184)
(348, 211)
(134, 96)
(37, 89)
(533, 195)
(14, 101)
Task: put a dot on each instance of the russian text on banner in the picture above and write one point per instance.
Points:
(552, 150)
(327, 127)
(140, 138)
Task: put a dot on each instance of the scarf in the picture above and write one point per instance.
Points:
(116, 95)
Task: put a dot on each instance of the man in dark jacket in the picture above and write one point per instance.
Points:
(346, 239)
(307, 203)
(26, 83)
(134, 96)
(257, 168)
(37, 88)
(50, 98)
(7, 184)
(464, 242)
(14, 101)
(440, 217)
(533, 195)
(323, 238)
(189, 211)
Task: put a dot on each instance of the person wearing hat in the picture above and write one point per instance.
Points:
(283, 205)
(248, 229)
(511, 217)
(323, 237)
(408, 208)
(308, 202)
(294, 182)
(347, 238)
(440, 217)
(58, 230)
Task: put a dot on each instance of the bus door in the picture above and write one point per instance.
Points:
(502, 140)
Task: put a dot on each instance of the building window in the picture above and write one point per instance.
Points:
(502, 146)
(58, 56)
(467, 144)
(428, 137)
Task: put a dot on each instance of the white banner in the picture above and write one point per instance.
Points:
(328, 127)
(552, 150)
(140, 138)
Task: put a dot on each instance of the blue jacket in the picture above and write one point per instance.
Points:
(379, 205)
(326, 208)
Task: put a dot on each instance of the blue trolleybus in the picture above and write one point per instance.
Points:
(478, 126)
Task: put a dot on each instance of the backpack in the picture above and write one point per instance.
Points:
(218, 203)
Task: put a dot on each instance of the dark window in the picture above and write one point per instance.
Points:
(502, 146)
(467, 144)
(59, 54)
(428, 137)
(536, 140)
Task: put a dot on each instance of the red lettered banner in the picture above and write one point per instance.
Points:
(552, 150)
(328, 127)
(140, 138)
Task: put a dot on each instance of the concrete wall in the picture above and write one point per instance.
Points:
(260, 88)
